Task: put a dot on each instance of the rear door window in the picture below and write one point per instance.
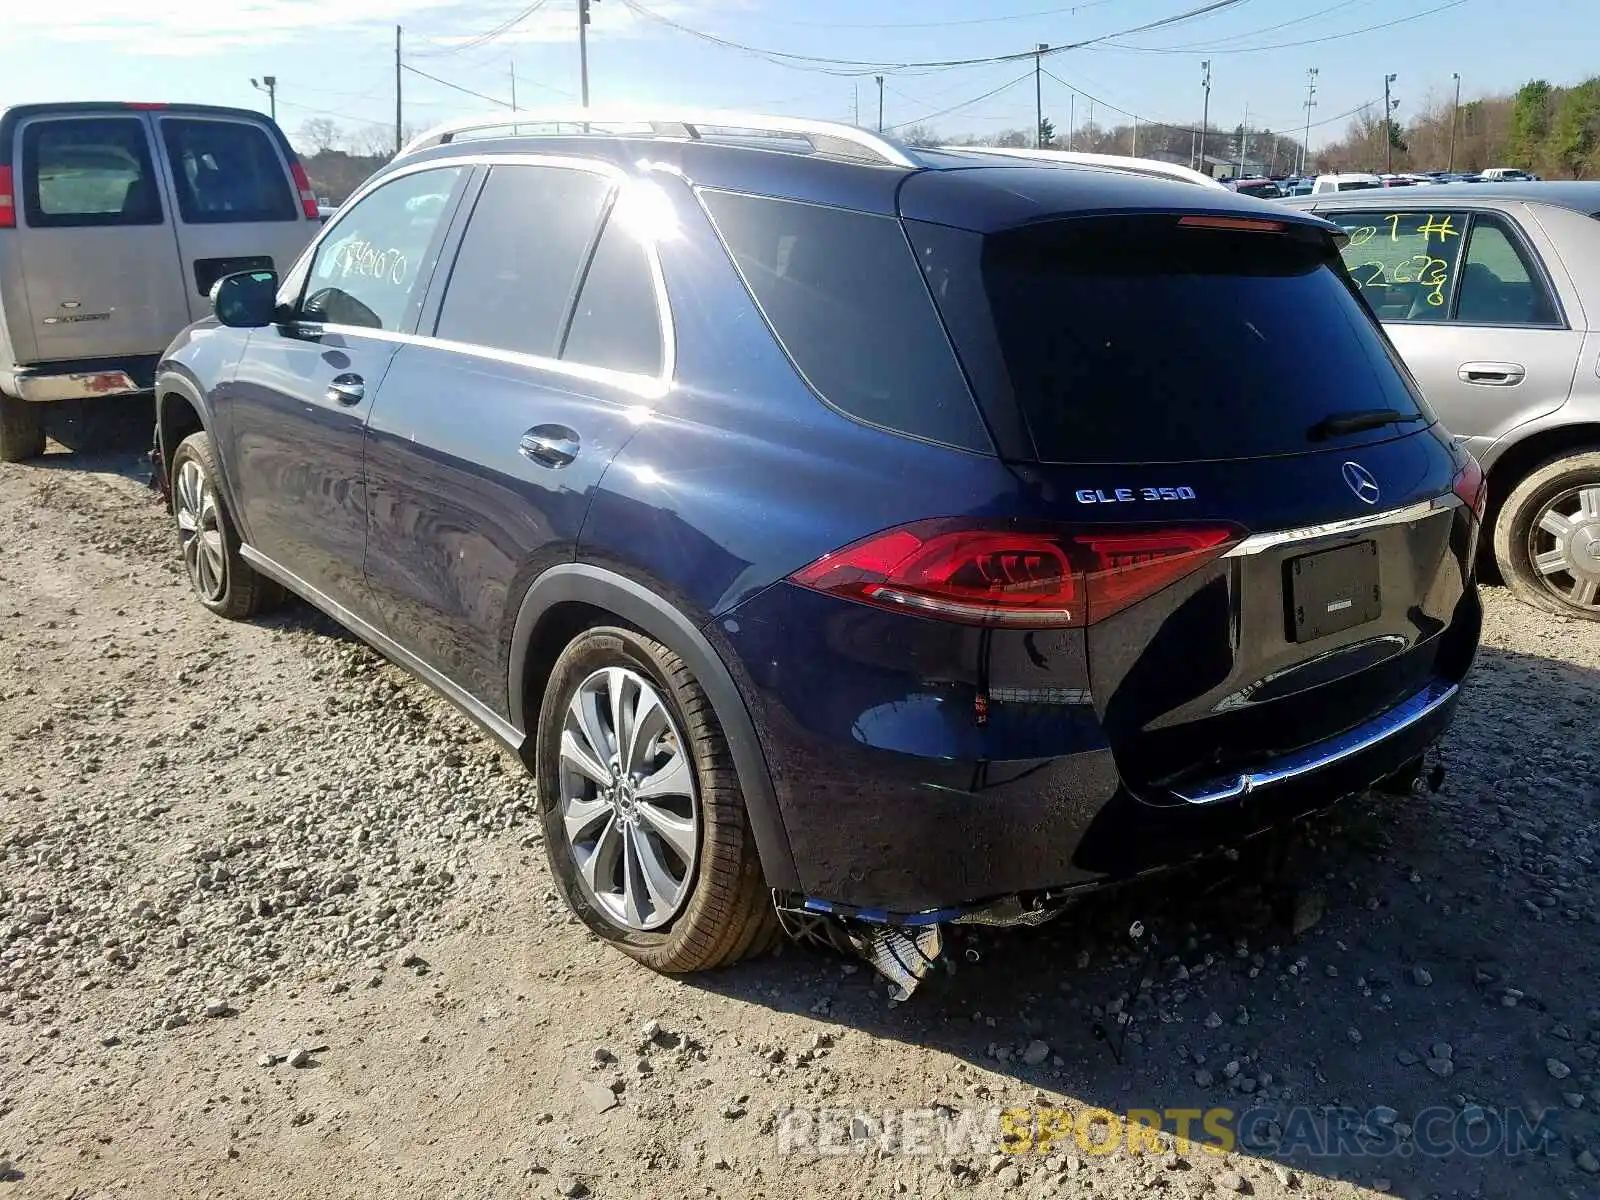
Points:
(840, 291)
(531, 232)
(227, 172)
(367, 272)
(1499, 285)
(1133, 339)
(1405, 263)
(88, 171)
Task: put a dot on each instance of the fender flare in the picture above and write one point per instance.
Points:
(642, 608)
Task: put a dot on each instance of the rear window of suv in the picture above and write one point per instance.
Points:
(1133, 339)
(227, 172)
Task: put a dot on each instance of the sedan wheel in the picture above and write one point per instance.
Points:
(1564, 546)
(628, 800)
(200, 531)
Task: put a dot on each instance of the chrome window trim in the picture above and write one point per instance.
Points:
(649, 387)
(1256, 543)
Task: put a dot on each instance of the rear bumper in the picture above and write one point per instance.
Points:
(86, 379)
(897, 801)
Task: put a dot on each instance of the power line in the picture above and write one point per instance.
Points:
(933, 116)
(1205, 47)
(1332, 37)
(483, 39)
(456, 86)
(1027, 16)
(853, 66)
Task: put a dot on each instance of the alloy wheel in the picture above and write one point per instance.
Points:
(1564, 547)
(628, 799)
(200, 531)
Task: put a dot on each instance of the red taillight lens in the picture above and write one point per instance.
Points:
(1010, 578)
(308, 198)
(8, 200)
(1471, 486)
(1237, 224)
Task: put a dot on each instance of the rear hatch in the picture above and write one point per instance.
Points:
(124, 215)
(1207, 408)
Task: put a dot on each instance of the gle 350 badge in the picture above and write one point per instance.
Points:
(1132, 495)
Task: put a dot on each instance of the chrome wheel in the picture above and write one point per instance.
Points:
(628, 800)
(200, 531)
(1564, 547)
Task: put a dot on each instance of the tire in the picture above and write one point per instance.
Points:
(208, 540)
(721, 911)
(1560, 574)
(21, 430)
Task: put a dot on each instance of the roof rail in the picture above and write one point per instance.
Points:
(1110, 162)
(825, 137)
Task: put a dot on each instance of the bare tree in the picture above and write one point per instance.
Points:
(921, 135)
(320, 134)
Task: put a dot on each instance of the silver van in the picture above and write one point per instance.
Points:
(115, 221)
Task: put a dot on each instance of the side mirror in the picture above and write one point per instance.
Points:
(246, 300)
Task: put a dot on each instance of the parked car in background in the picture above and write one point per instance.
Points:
(115, 221)
(1261, 189)
(1508, 175)
(810, 513)
(1344, 183)
(1491, 292)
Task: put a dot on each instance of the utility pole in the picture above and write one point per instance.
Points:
(1135, 137)
(1455, 113)
(1244, 141)
(513, 85)
(1072, 120)
(1311, 102)
(269, 85)
(855, 89)
(583, 51)
(1038, 97)
(879, 78)
(1388, 128)
(399, 143)
(1205, 115)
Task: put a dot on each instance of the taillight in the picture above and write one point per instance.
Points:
(1010, 578)
(1237, 224)
(8, 200)
(1471, 486)
(308, 198)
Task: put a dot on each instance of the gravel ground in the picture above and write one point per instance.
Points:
(275, 922)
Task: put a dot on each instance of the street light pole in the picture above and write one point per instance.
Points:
(1038, 98)
(1455, 114)
(583, 52)
(1205, 115)
(269, 85)
(879, 78)
(1388, 125)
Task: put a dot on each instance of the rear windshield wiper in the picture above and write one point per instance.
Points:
(1359, 420)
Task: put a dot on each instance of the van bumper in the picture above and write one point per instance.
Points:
(84, 379)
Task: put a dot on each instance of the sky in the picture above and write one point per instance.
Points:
(336, 58)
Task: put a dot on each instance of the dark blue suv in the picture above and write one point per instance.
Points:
(849, 539)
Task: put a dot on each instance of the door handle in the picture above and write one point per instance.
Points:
(347, 389)
(1492, 374)
(549, 445)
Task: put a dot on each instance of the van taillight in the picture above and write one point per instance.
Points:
(308, 198)
(958, 571)
(8, 200)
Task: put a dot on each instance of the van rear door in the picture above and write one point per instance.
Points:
(94, 238)
(240, 207)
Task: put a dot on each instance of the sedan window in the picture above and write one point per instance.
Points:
(1498, 285)
(1405, 263)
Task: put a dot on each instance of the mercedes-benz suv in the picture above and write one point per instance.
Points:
(845, 536)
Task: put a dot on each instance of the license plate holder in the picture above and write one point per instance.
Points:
(1332, 590)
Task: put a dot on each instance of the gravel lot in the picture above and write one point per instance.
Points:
(275, 922)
